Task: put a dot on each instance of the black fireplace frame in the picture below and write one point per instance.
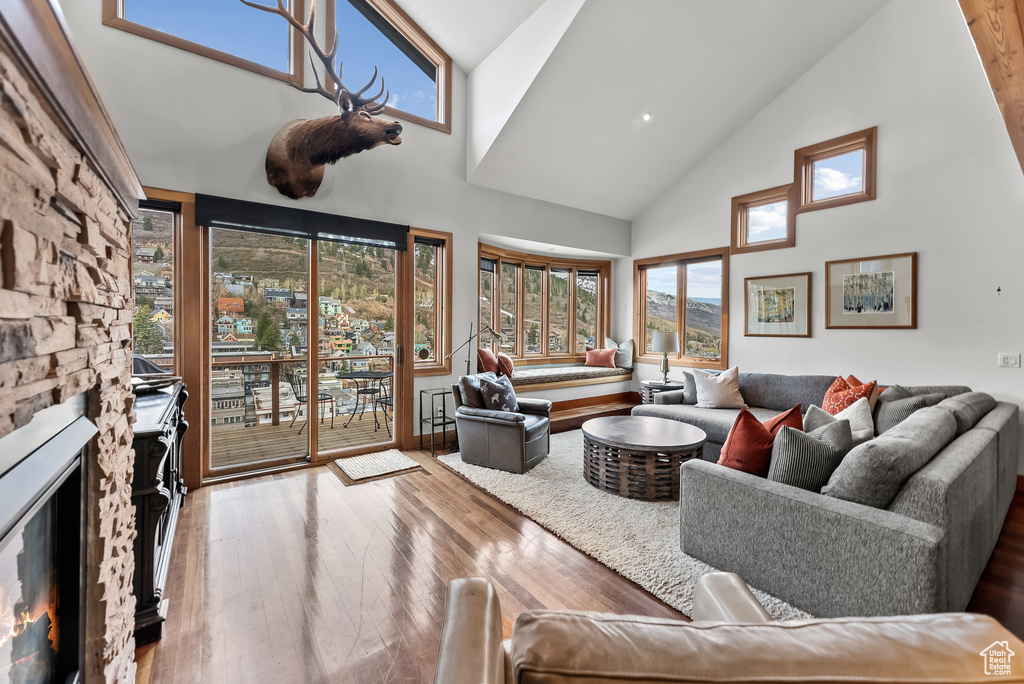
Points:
(47, 461)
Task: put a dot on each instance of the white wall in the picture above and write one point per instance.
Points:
(949, 188)
(196, 125)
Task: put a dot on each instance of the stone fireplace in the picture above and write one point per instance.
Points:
(67, 195)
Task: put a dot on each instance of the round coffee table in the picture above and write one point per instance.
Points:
(639, 456)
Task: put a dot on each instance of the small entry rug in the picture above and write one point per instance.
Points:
(375, 464)
(637, 539)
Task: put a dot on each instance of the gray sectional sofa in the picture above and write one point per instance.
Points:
(921, 550)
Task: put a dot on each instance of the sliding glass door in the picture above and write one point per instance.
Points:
(258, 334)
(303, 329)
(356, 320)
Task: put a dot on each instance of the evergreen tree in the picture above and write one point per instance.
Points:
(159, 255)
(293, 339)
(148, 337)
(389, 325)
(534, 336)
(147, 223)
(263, 323)
(270, 340)
(222, 263)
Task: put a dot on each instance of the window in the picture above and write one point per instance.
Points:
(546, 308)
(533, 309)
(486, 299)
(224, 30)
(687, 294)
(558, 311)
(371, 33)
(586, 310)
(836, 172)
(507, 306)
(153, 282)
(763, 220)
(432, 259)
(376, 33)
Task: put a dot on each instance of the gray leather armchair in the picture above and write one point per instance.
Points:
(513, 442)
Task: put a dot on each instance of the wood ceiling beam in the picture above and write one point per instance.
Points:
(997, 27)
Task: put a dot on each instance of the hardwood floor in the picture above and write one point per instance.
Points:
(1000, 593)
(295, 577)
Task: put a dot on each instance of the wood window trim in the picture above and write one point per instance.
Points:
(639, 300)
(441, 364)
(742, 204)
(397, 17)
(113, 16)
(525, 260)
(803, 169)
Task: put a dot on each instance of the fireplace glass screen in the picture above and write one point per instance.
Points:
(30, 630)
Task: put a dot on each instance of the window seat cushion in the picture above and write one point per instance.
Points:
(524, 377)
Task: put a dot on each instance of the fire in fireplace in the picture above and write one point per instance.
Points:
(29, 627)
(41, 532)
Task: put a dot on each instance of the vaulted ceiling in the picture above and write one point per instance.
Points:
(570, 130)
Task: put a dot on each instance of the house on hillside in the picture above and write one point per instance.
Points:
(243, 326)
(162, 316)
(230, 306)
(278, 296)
(295, 314)
(148, 284)
(145, 255)
(225, 325)
(167, 273)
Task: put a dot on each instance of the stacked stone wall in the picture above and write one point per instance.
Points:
(65, 328)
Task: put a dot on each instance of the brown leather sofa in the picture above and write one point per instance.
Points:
(732, 639)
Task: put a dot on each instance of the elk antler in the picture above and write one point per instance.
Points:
(328, 58)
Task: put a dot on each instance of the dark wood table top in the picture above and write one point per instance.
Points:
(644, 433)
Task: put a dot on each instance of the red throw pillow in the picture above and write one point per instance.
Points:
(601, 357)
(485, 361)
(505, 364)
(749, 444)
(841, 395)
(852, 381)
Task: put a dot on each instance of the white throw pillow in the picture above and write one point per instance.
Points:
(859, 414)
(719, 391)
(623, 352)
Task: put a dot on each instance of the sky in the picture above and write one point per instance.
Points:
(703, 280)
(840, 175)
(767, 222)
(230, 26)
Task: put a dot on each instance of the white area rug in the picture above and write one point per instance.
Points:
(373, 465)
(637, 539)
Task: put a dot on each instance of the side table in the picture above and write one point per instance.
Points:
(438, 417)
(648, 388)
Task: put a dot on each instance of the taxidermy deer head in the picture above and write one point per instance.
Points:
(299, 151)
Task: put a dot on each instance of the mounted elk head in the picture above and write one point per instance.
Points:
(299, 151)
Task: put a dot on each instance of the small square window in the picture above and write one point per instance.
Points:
(836, 172)
(763, 220)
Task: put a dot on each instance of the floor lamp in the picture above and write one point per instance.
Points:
(495, 337)
(665, 342)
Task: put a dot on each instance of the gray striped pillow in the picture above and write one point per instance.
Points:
(892, 413)
(808, 459)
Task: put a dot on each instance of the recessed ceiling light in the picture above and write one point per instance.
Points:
(647, 116)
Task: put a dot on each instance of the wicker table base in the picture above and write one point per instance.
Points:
(631, 463)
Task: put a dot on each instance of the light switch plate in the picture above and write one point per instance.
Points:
(1009, 361)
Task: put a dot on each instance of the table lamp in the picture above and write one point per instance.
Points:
(664, 342)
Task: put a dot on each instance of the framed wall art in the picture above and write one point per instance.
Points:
(872, 292)
(778, 306)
